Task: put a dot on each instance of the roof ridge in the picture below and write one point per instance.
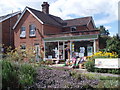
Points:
(10, 13)
(78, 18)
(48, 15)
(7, 16)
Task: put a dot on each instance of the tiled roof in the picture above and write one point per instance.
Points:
(54, 20)
(47, 18)
(78, 21)
(2, 18)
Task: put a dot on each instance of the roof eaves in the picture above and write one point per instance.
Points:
(26, 9)
(19, 18)
(35, 16)
(10, 16)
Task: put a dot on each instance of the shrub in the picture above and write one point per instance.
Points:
(26, 74)
(75, 75)
(89, 65)
(9, 74)
(20, 55)
(15, 75)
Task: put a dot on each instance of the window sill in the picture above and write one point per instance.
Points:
(23, 37)
(32, 36)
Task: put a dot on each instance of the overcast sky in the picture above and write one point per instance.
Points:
(104, 12)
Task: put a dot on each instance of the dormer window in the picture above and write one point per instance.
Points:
(32, 30)
(73, 29)
(22, 32)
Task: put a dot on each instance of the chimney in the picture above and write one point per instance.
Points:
(45, 7)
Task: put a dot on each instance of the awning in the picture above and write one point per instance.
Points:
(66, 38)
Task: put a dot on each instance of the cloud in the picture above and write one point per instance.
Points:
(113, 34)
(107, 27)
(67, 9)
(81, 8)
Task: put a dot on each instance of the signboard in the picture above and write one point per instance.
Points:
(107, 63)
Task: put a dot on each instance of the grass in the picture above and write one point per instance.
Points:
(104, 81)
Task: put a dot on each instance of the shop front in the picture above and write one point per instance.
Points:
(62, 48)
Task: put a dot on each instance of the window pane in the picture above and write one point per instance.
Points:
(32, 30)
(23, 32)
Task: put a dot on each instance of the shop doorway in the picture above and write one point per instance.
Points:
(66, 52)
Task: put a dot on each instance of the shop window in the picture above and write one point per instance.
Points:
(73, 29)
(22, 32)
(32, 30)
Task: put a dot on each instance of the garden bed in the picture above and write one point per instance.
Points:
(54, 77)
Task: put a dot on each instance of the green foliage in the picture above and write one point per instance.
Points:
(75, 75)
(20, 55)
(47, 62)
(26, 74)
(89, 65)
(87, 86)
(111, 84)
(113, 44)
(103, 30)
(9, 74)
(104, 81)
(102, 42)
(15, 75)
(103, 70)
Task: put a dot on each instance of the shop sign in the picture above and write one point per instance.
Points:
(107, 63)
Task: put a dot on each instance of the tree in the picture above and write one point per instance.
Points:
(113, 44)
(103, 30)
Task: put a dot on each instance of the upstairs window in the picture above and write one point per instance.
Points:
(22, 32)
(73, 29)
(32, 30)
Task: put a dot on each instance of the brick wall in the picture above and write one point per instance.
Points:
(7, 32)
(26, 20)
(49, 29)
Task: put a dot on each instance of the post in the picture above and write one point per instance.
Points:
(70, 49)
(58, 50)
(44, 50)
(63, 50)
(94, 46)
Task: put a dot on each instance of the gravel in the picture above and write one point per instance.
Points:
(57, 78)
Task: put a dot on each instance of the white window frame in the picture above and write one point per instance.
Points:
(23, 32)
(32, 30)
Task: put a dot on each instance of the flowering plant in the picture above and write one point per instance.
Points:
(104, 55)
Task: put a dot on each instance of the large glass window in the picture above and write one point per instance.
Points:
(22, 32)
(51, 50)
(32, 30)
(54, 50)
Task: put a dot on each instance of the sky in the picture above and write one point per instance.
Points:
(104, 12)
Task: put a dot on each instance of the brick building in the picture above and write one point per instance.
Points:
(59, 38)
(6, 32)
